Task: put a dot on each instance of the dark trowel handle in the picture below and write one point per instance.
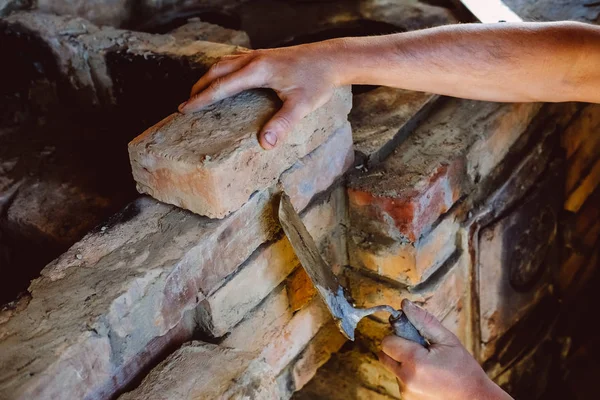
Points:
(405, 329)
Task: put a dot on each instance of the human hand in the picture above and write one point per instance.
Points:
(445, 370)
(302, 76)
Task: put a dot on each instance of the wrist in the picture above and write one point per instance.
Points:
(485, 388)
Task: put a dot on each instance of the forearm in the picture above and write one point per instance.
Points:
(496, 62)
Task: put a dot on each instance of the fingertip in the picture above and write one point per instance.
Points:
(268, 140)
(181, 107)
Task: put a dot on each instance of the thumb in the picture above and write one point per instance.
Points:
(428, 325)
(290, 114)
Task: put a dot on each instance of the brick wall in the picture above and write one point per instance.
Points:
(485, 214)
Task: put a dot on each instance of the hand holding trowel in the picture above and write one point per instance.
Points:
(345, 315)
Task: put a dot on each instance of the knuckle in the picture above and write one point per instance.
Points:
(284, 122)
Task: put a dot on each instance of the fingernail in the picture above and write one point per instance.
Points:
(271, 138)
(180, 108)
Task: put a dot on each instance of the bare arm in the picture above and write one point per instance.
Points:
(517, 62)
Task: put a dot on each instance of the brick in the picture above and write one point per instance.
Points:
(296, 335)
(584, 127)
(264, 323)
(588, 184)
(112, 12)
(218, 372)
(406, 263)
(351, 375)
(300, 288)
(136, 277)
(553, 10)
(438, 296)
(263, 272)
(458, 321)
(383, 117)
(210, 162)
(325, 343)
(580, 162)
(425, 175)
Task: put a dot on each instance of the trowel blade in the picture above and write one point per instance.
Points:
(317, 269)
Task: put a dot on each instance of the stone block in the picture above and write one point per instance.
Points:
(407, 263)
(263, 272)
(459, 144)
(136, 276)
(439, 296)
(217, 373)
(383, 117)
(210, 162)
(325, 343)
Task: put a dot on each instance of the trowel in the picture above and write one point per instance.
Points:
(345, 314)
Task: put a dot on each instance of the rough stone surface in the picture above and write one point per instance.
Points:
(588, 184)
(426, 175)
(106, 12)
(205, 371)
(583, 147)
(326, 342)
(131, 280)
(211, 162)
(407, 263)
(301, 290)
(8, 6)
(263, 272)
(383, 117)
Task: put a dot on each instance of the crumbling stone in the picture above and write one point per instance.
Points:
(198, 30)
(211, 162)
(205, 371)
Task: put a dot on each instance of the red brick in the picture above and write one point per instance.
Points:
(425, 176)
(326, 342)
(218, 373)
(407, 263)
(210, 162)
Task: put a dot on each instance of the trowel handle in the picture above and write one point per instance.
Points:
(405, 329)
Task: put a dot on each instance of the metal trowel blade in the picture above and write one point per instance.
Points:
(332, 293)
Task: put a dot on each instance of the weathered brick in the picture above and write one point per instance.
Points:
(326, 342)
(300, 289)
(211, 162)
(438, 296)
(196, 30)
(381, 118)
(426, 174)
(588, 184)
(218, 373)
(407, 263)
(111, 12)
(584, 127)
(296, 335)
(135, 278)
(264, 271)
(260, 326)
(351, 375)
